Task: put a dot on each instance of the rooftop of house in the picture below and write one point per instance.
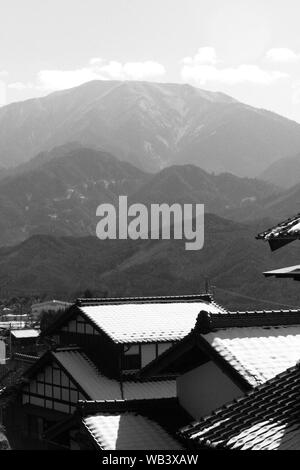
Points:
(251, 347)
(267, 418)
(148, 322)
(257, 353)
(142, 319)
(150, 424)
(128, 431)
(291, 272)
(97, 386)
(28, 333)
(282, 234)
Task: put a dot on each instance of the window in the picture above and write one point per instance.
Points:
(132, 357)
(148, 353)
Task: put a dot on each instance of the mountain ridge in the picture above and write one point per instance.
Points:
(150, 125)
(285, 172)
(232, 260)
(59, 192)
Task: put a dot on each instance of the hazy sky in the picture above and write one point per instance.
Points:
(249, 49)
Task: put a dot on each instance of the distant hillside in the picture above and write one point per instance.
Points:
(284, 173)
(221, 194)
(58, 192)
(232, 260)
(59, 195)
(150, 125)
(277, 207)
(40, 159)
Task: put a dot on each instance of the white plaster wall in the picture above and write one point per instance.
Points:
(204, 389)
(148, 353)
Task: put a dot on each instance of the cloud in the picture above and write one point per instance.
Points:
(19, 86)
(2, 93)
(282, 54)
(196, 71)
(204, 56)
(60, 79)
(97, 69)
(3, 74)
(296, 92)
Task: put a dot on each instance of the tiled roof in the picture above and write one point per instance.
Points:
(267, 418)
(143, 300)
(100, 387)
(250, 318)
(292, 272)
(30, 333)
(146, 322)
(257, 353)
(96, 386)
(283, 233)
(128, 431)
(252, 346)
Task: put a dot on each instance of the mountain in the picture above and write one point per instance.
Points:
(59, 191)
(150, 125)
(284, 173)
(277, 207)
(60, 194)
(232, 260)
(40, 159)
(221, 194)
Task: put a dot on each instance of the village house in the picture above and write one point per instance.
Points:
(23, 341)
(227, 355)
(134, 424)
(100, 347)
(267, 418)
(130, 373)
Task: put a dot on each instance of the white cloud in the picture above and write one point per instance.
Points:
(282, 54)
(98, 69)
(296, 92)
(204, 56)
(61, 79)
(141, 70)
(195, 71)
(3, 73)
(2, 93)
(19, 86)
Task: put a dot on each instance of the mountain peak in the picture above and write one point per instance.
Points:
(151, 125)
